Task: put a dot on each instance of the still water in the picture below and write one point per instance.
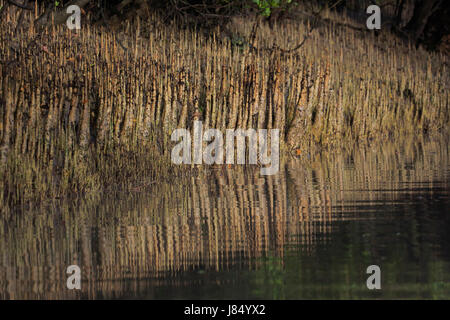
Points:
(309, 232)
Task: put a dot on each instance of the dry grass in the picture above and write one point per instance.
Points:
(81, 111)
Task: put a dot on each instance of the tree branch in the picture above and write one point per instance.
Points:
(22, 6)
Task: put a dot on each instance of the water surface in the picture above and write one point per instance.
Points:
(308, 232)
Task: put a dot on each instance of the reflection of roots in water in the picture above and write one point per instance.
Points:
(211, 222)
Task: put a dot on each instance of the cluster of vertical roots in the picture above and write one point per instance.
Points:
(83, 109)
